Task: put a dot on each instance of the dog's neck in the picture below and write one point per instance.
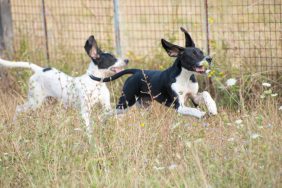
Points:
(177, 69)
(94, 70)
(187, 75)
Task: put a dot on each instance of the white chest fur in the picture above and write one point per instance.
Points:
(184, 85)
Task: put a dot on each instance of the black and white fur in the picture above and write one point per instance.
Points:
(79, 92)
(170, 87)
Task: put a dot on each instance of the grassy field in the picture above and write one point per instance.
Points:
(156, 147)
(240, 147)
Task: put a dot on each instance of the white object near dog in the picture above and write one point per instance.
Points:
(78, 92)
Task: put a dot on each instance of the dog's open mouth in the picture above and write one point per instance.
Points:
(200, 69)
(116, 69)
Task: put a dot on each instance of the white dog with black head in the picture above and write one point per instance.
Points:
(78, 92)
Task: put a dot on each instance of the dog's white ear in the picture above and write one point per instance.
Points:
(91, 48)
(172, 49)
(188, 39)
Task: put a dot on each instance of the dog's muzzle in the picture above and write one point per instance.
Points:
(202, 66)
(119, 68)
(208, 59)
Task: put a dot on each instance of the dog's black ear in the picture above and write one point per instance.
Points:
(91, 48)
(188, 40)
(172, 49)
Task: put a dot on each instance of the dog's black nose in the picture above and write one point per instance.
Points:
(209, 59)
(126, 61)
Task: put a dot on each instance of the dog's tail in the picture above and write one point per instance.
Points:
(116, 76)
(28, 65)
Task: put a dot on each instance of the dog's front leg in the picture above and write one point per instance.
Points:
(182, 109)
(206, 98)
(190, 111)
(85, 113)
(106, 103)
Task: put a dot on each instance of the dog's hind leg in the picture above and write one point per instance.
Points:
(31, 104)
(122, 105)
(143, 102)
(36, 97)
(125, 102)
(206, 99)
(130, 92)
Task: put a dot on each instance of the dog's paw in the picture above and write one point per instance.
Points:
(108, 113)
(210, 103)
(212, 108)
(201, 114)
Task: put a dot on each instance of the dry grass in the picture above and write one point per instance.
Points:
(144, 148)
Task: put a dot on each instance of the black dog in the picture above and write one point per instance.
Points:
(172, 86)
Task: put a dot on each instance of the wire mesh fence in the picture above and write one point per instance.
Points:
(68, 23)
(249, 32)
(146, 22)
(245, 32)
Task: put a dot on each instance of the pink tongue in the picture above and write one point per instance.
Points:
(200, 69)
(117, 69)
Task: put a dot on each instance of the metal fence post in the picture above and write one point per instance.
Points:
(6, 27)
(209, 82)
(45, 30)
(116, 25)
(206, 26)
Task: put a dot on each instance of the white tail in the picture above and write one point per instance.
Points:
(28, 65)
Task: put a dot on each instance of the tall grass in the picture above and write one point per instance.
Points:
(153, 147)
